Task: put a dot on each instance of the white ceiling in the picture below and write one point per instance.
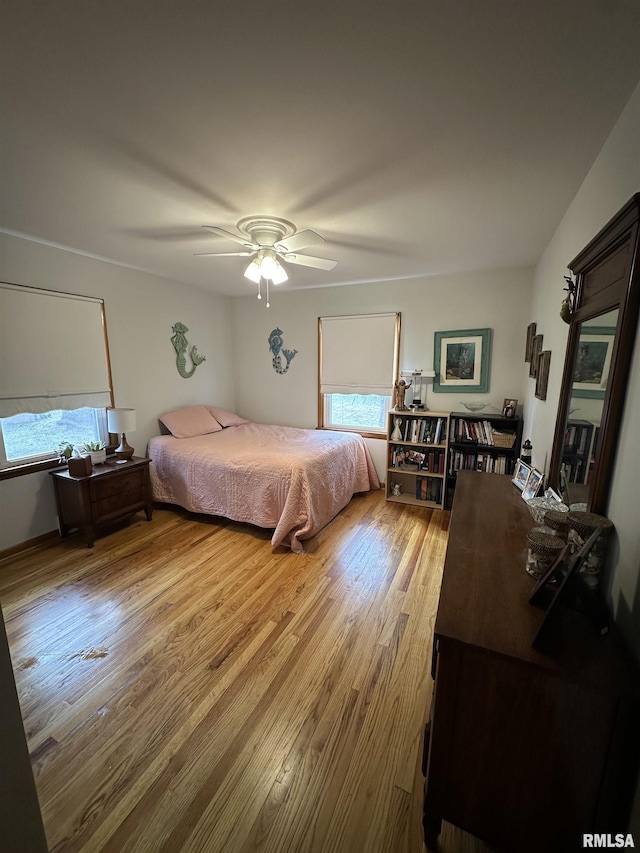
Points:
(417, 137)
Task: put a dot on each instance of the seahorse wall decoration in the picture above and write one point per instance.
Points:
(180, 345)
(275, 345)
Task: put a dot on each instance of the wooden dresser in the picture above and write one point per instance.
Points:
(526, 750)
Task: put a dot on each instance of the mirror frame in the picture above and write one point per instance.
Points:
(607, 275)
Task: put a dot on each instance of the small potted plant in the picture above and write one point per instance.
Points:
(65, 452)
(97, 451)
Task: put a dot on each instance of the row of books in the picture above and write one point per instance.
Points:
(416, 460)
(423, 430)
(577, 437)
(576, 470)
(429, 489)
(489, 462)
(480, 432)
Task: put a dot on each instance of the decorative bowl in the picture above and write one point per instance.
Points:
(539, 506)
(475, 407)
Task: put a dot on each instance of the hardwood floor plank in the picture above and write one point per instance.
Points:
(185, 687)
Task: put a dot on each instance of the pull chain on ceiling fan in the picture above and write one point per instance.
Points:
(271, 240)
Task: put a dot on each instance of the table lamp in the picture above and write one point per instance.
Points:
(121, 421)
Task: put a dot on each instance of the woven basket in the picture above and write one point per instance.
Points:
(544, 543)
(557, 521)
(504, 439)
(584, 523)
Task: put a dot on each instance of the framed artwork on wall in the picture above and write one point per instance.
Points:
(528, 349)
(461, 361)
(542, 374)
(593, 362)
(536, 349)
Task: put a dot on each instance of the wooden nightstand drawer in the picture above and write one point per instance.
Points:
(103, 488)
(111, 492)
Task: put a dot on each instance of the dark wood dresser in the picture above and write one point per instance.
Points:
(526, 750)
(110, 493)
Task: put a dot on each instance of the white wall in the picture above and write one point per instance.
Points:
(140, 311)
(498, 299)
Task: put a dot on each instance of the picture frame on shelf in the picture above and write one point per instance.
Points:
(509, 407)
(528, 349)
(542, 374)
(593, 362)
(521, 474)
(536, 349)
(533, 484)
(461, 361)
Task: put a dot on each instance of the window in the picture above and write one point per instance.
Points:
(356, 412)
(30, 437)
(358, 366)
(55, 379)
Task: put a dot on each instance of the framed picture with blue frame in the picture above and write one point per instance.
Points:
(461, 361)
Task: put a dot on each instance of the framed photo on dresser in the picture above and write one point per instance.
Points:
(533, 484)
(521, 474)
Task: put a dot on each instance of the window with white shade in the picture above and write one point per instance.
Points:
(55, 378)
(358, 364)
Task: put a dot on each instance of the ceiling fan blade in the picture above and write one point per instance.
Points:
(299, 240)
(237, 238)
(309, 261)
(223, 254)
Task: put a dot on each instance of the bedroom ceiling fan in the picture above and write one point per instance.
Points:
(271, 240)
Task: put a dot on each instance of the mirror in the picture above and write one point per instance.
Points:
(586, 403)
(599, 351)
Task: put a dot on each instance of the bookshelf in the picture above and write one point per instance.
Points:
(417, 443)
(577, 452)
(482, 442)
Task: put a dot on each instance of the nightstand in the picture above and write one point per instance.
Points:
(112, 491)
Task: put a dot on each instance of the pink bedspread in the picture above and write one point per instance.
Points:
(293, 480)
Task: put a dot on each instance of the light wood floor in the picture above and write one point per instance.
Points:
(186, 688)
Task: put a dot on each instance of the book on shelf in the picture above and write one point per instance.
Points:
(478, 432)
(423, 430)
(481, 432)
(578, 436)
(429, 489)
(466, 460)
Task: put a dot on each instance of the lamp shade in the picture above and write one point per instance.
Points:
(268, 266)
(279, 274)
(252, 272)
(121, 420)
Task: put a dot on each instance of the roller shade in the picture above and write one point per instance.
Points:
(53, 352)
(358, 354)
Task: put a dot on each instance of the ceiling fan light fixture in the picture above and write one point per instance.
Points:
(253, 272)
(279, 274)
(268, 263)
(270, 239)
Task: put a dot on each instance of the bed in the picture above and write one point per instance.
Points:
(291, 480)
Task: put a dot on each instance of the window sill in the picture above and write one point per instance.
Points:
(29, 468)
(361, 432)
(24, 468)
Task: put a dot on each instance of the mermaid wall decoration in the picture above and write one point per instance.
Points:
(275, 345)
(181, 345)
